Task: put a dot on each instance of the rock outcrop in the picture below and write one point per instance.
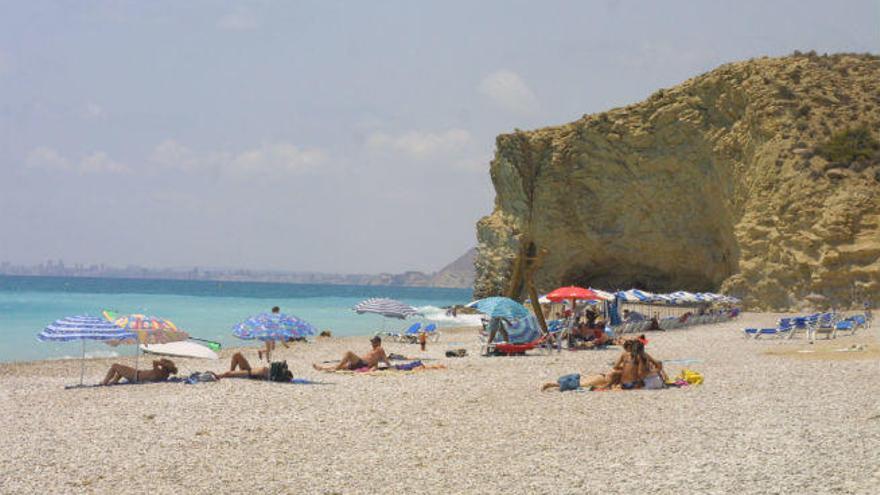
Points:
(722, 183)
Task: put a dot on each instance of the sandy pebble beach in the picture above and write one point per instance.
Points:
(769, 419)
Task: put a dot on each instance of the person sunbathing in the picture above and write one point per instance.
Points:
(598, 338)
(162, 369)
(650, 371)
(624, 369)
(239, 367)
(351, 361)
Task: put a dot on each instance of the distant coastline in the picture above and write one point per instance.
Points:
(458, 274)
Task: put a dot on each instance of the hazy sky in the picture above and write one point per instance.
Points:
(325, 136)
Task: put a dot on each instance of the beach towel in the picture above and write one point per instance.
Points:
(173, 379)
(406, 368)
(691, 377)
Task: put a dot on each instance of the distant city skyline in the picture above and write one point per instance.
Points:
(335, 137)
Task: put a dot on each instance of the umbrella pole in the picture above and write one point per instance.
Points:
(82, 361)
(137, 348)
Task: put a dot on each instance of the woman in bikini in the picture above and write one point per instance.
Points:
(239, 367)
(162, 369)
(650, 371)
(623, 374)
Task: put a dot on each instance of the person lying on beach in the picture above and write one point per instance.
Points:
(624, 374)
(351, 361)
(162, 369)
(239, 367)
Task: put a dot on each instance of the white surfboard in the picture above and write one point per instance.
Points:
(181, 349)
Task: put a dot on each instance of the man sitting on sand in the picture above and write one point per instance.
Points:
(162, 369)
(351, 361)
(239, 367)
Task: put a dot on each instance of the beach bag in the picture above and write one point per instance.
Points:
(653, 382)
(569, 382)
(692, 377)
(278, 372)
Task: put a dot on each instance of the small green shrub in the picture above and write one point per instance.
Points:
(850, 145)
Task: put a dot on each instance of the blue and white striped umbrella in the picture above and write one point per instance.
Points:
(390, 308)
(500, 307)
(664, 298)
(83, 328)
(607, 296)
(273, 326)
(636, 296)
(710, 297)
(685, 296)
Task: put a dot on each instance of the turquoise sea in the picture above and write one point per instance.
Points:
(204, 309)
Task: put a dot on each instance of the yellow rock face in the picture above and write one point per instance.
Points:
(711, 185)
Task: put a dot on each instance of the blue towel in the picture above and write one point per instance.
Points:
(408, 366)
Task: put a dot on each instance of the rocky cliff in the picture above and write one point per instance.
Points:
(759, 179)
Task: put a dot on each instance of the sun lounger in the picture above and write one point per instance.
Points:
(432, 331)
(845, 326)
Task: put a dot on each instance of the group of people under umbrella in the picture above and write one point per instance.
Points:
(145, 331)
(153, 332)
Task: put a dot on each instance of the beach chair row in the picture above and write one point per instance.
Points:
(411, 334)
(830, 324)
(671, 322)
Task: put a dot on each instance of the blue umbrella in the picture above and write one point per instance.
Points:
(82, 328)
(500, 307)
(273, 326)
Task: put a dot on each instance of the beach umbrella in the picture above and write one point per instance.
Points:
(636, 296)
(389, 308)
(686, 296)
(500, 307)
(664, 298)
(186, 349)
(572, 293)
(145, 330)
(606, 296)
(83, 328)
(273, 326)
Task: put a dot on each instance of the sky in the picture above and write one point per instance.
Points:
(348, 137)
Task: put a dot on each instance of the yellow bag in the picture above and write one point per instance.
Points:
(691, 376)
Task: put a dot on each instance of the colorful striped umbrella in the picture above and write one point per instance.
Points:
(147, 329)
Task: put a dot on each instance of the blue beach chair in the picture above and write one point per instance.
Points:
(406, 335)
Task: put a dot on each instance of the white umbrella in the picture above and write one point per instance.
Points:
(181, 349)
